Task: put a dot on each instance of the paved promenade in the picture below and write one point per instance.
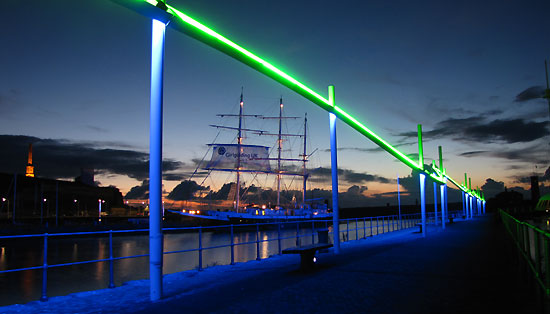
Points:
(463, 269)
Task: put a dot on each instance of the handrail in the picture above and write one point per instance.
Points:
(526, 242)
(370, 226)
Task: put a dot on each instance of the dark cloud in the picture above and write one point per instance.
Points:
(546, 175)
(492, 188)
(355, 149)
(139, 191)
(174, 176)
(444, 128)
(474, 153)
(322, 174)
(534, 154)
(533, 92)
(508, 131)
(355, 189)
(185, 190)
(478, 129)
(376, 149)
(97, 129)
(63, 159)
(493, 112)
(526, 178)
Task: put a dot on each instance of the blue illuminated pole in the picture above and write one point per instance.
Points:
(399, 203)
(435, 203)
(334, 167)
(442, 191)
(471, 210)
(463, 205)
(422, 179)
(481, 207)
(155, 162)
(442, 188)
(446, 209)
(423, 202)
(467, 196)
(470, 198)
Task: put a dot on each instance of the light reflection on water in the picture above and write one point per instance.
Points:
(68, 279)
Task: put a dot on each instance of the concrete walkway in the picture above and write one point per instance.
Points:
(463, 269)
(466, 268)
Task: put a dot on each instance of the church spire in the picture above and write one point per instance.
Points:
(30, 167)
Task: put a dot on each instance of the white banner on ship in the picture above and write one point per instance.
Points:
(253, 157)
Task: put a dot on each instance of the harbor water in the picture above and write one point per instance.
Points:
(25, 286)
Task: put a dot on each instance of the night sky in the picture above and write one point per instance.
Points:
(74, 80)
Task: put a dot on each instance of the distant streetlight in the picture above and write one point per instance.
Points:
(47, 207)
(4, 200)
(100, 201)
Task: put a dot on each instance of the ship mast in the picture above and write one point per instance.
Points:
(239, 143)
(279, 158)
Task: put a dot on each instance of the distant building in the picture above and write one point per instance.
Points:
(86, 176)
(35, 195)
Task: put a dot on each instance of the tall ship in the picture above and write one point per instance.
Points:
(251, 204)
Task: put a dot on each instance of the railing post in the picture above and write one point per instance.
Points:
(537, 254)
(279, 237)
(111, 271)
(200, 248)
(356, 229)
(297, 234)
(347, 230)
(313, 232)
(232, 247)
(519, 238)
(547, 264)
(377, 225)
(364, 227)
(257, 241)
(371, 226)
(44, 296)
(528, 244)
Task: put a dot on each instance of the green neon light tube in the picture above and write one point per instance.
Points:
(420, 148)
(199, 31)
(267, 68)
